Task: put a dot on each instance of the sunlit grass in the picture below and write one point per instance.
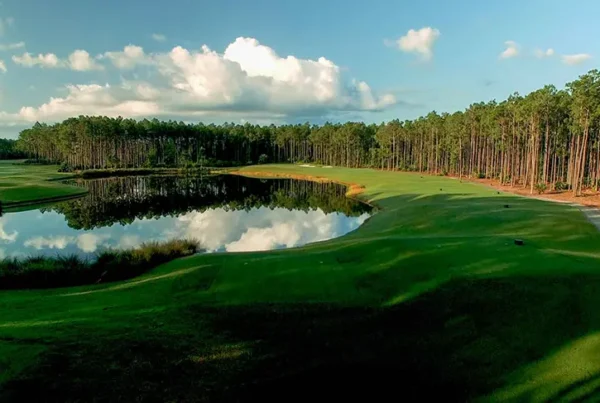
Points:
(21, 183)
(569, 374)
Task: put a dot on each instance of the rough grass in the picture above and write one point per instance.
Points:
(110, 265)
(429, 298)
(22, 183)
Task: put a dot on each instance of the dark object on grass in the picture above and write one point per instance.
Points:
(102, 275)
(440, 189)
(519, 242)
(506, 206)
(497, 192)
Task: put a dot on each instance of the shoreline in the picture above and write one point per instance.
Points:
(354, 190)
(10, 205)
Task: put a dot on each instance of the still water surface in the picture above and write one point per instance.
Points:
(225, 213)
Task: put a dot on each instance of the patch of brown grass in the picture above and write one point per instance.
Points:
(354, 190)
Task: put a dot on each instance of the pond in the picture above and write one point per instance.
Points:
(225, 213)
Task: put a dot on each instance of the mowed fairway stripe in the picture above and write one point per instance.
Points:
(135, 283)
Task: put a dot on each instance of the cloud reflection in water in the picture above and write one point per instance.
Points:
(219, 230)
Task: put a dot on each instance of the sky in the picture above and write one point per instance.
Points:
(274, 61)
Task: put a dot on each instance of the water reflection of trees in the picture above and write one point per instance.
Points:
(122, 200)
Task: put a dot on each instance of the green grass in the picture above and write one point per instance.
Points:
(429, 297)
(22, 184)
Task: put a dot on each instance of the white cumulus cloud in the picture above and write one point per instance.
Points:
(5, 236)
(576, 58)
(419, 41)
(90, 242)
(3, 66)
(129, 242)
(80, 60)
(57, 242)
(91, 99)
(128, 58)
(258, 239)
(87, 242)
(512, 50)
(49, 60)
(262, 228)
(248, 79)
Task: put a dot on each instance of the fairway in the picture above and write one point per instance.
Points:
(22, 184)
(430, 296)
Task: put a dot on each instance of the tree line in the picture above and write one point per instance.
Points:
(550, 137)
(9, 150)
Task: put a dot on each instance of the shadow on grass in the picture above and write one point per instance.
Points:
(459, 341)
(470, 334)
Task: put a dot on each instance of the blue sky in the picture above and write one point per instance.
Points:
(364, 74)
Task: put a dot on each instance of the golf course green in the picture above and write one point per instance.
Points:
(22, 184)
(429, 299)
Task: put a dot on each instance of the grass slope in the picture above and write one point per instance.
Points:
(429, 297)
(21, 184)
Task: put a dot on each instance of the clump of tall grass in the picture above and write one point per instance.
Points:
(110, 265)
(138, 260)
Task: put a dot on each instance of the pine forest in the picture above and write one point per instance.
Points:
(550, 137)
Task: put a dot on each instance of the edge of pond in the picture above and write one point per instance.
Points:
(354, 190)
(102, 175)
(42, 201)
